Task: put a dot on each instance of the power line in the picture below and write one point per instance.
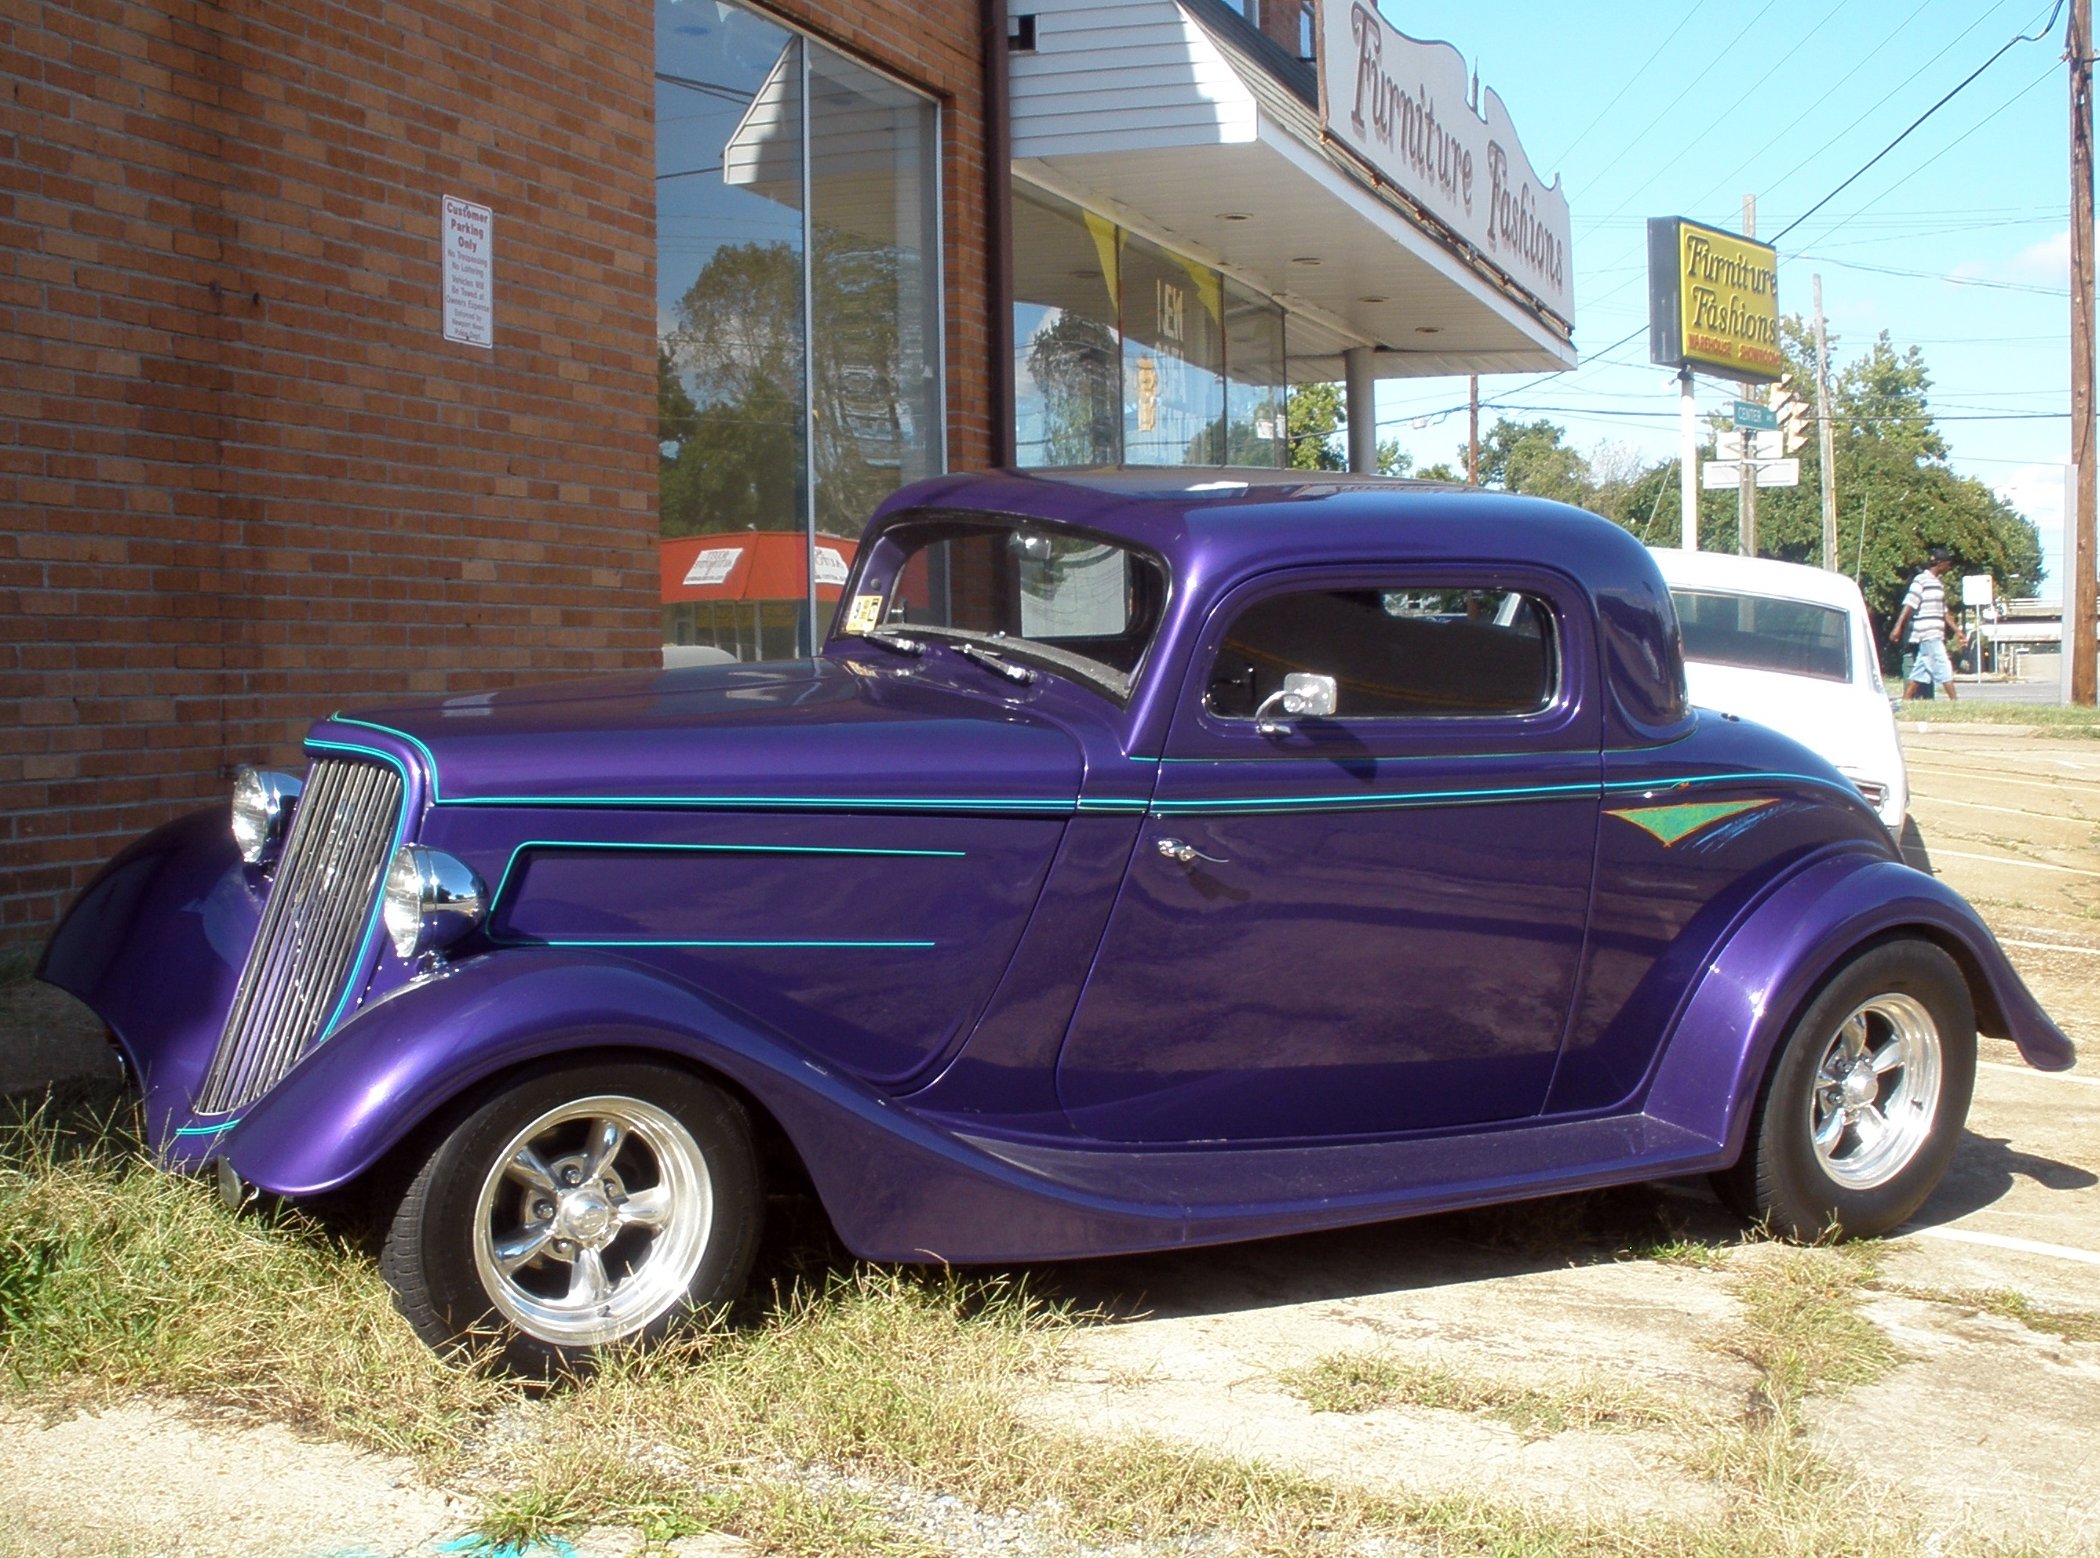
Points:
(2048, 71)
(1690, 11)
(2005, 48)
(1926, 275)
(1719, 56)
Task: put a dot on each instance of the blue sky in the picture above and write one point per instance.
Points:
(1956, 242)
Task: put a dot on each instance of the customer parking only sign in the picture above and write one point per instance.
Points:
(470, 309)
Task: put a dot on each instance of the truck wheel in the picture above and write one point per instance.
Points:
(1863, 1106)
(577, 1209)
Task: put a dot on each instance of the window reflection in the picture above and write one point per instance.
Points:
(1068, 390)
(1173, 359)
(1128, 353)
(793, 188)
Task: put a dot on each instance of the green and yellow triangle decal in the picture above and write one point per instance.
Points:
(1673, 824)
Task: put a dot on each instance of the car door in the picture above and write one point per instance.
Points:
(1364, 923)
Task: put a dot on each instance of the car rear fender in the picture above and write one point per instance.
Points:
(1776, 957)
(886, 1176)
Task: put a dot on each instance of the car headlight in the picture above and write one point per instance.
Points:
(262, 806)
(432, 899)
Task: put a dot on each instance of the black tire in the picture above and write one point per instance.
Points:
(520, 1226)
(1863, 1104)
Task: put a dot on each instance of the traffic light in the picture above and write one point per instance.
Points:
(1793, 414)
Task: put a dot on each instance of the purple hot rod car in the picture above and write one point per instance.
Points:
(1140, 864)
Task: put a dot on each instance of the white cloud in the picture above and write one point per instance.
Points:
(2045, 263)
(2037, 491)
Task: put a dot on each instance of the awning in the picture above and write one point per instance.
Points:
(751, 565)
(1169, 116)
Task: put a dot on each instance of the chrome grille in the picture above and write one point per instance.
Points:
(313, 927)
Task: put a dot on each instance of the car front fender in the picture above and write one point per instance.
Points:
(895, 1186)
(1776, 957)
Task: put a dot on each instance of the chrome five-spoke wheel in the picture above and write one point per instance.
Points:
(576, 1208)
(1864, 1100)
(592, 1220)
(1877, 1089)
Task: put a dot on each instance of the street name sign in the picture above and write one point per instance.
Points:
(1748, 413)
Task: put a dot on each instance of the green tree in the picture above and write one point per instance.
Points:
(1316, 421)
(1076, 363)
(1533, 458)
(1897, 497)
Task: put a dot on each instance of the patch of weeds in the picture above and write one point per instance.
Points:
(1363, 1382)
(120, 1277)
(2073, 1325)
(1802, 1327)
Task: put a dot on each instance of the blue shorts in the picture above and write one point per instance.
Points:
(1929, 664)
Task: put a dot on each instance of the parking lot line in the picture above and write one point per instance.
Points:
(2049, 946)
(2003, 1241)
(2054, 1076)
(2008, 860)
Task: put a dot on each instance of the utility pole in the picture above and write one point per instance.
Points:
(1824, 439)
(1746, 480)
(1473, 430)
(2080, 603)
(1687, 462)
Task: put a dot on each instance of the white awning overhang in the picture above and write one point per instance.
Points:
(1144, 111)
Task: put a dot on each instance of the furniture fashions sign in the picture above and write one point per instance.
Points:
(1713, 300)
(1409, 111)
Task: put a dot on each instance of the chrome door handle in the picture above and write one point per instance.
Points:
(1175, 849)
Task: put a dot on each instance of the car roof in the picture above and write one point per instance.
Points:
(1757, 576)
(1218, 527)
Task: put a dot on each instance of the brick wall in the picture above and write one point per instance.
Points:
(243, 479)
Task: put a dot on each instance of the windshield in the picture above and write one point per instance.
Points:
(1070, 601)
(1764, 633)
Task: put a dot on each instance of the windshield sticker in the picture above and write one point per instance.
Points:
(866, 613)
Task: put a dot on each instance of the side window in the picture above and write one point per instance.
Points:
(1414, 653)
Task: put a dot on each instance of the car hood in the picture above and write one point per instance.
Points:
(794, 732)
(1848, 724)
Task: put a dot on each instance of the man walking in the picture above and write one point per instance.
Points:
(1925, 613)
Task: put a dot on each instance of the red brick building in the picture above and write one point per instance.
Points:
(275, 437)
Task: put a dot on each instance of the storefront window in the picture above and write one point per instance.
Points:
(1126, 353)
(1173, 359)
(1256, 384)
(1068, 390)
(875, 290)
(798, 319)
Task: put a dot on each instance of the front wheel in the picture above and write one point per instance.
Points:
(1864, 1104)
(576, 1209)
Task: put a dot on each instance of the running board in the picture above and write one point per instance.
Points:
(1222, 1192)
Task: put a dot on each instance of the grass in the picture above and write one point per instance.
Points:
(860, 1410)
(2072, 1325)
(2053, 719)
(116, 1278)
(1802, 1327)
(1364, 1381)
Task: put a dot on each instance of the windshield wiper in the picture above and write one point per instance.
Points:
(896, 643)
(991, 662)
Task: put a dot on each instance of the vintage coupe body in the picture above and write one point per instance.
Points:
(1139, 864)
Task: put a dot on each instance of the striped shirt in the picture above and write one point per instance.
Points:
(1926, 601)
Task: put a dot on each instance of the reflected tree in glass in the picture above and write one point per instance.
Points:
(1075, 363)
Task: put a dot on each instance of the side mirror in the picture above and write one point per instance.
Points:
(1303, 695)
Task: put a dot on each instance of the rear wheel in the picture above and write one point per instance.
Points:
(577, 1209)
(1863, 1106)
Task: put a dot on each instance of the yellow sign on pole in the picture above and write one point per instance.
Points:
(1713, 301)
